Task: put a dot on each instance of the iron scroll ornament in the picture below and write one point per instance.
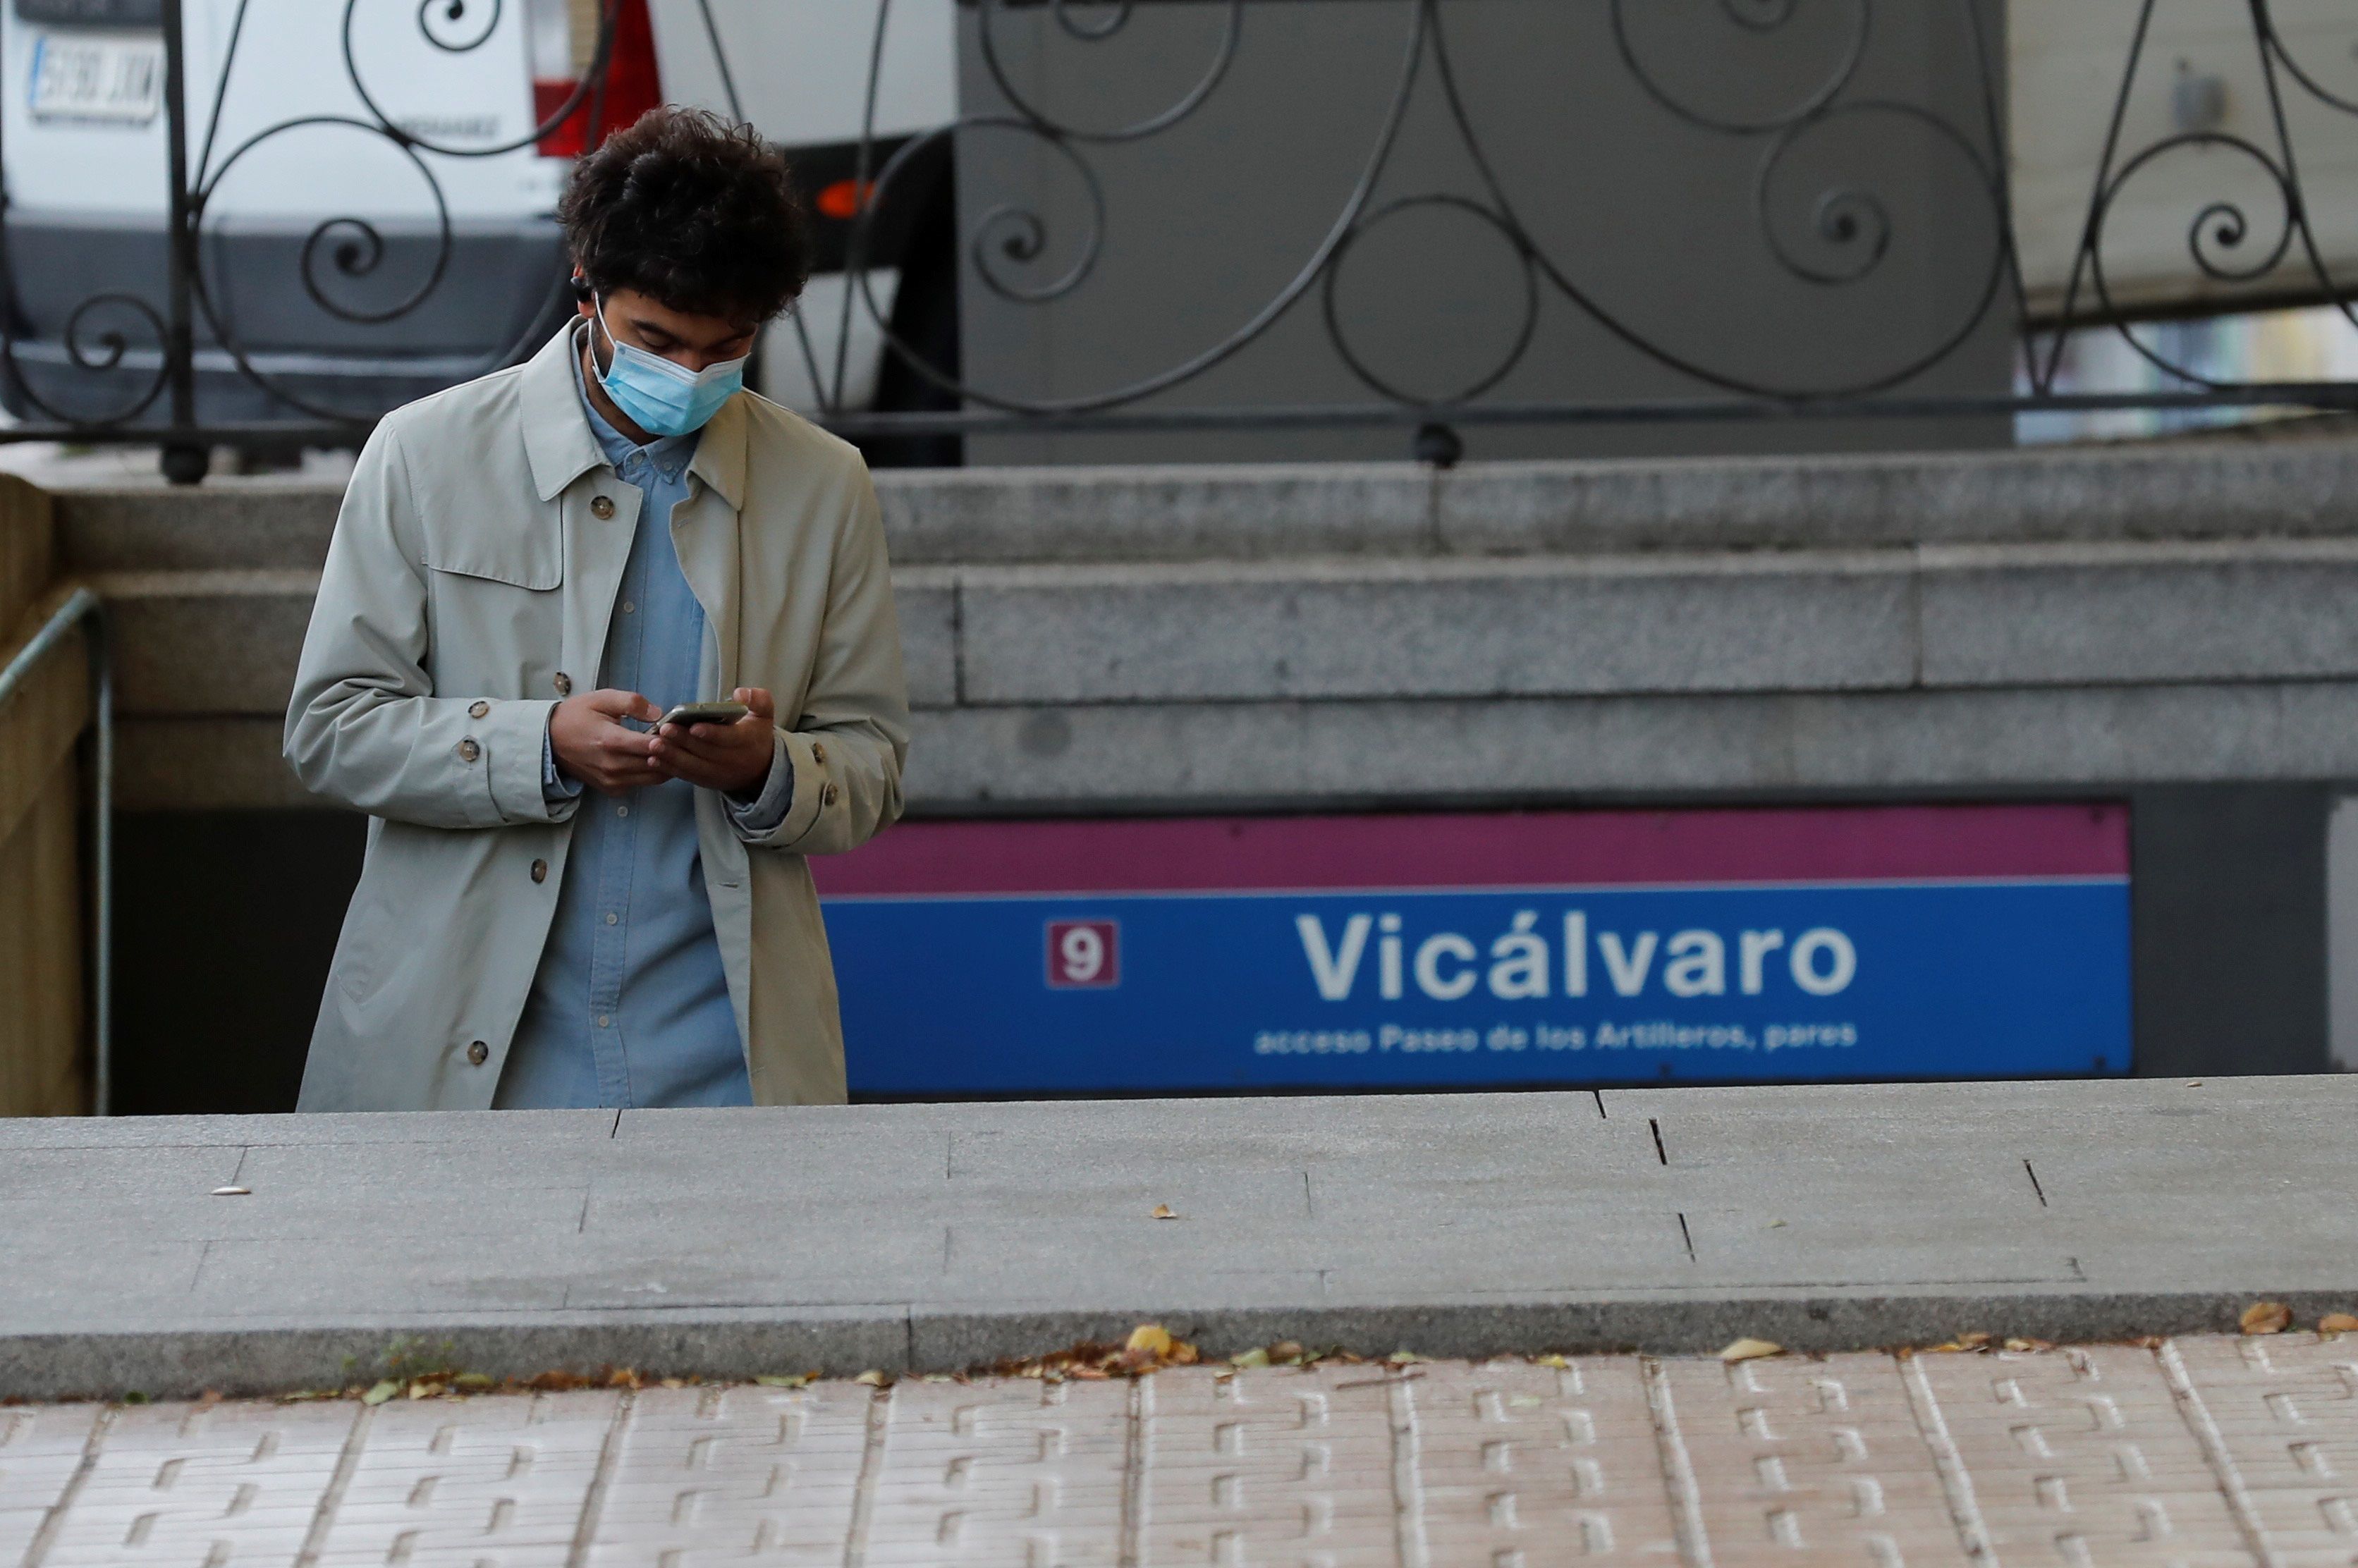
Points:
(349, 245)
(1851, 226)
(1829, 234)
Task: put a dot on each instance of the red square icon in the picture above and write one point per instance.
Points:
(1084, 955)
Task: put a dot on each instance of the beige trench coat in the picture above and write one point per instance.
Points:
(468, 586)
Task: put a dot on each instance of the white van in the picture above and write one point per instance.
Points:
(324, 261)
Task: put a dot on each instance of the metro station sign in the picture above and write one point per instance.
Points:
(1511, 947)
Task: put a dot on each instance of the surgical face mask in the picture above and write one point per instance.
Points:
(663, 398)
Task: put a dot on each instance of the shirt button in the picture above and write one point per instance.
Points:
(819, 754)
(826, 795)
(612, 917)
(601, 507)
(540, 870)
(564, 684)
(628, 607)
(480, 710)
(479, 1052)
(622, 811)
(469, 751)
(605, 1021)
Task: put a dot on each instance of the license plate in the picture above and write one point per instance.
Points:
(119, 81)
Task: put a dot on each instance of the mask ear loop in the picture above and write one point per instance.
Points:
(614, 350)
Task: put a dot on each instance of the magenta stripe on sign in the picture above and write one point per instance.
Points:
(1898, 843)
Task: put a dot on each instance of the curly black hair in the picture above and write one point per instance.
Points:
(699, 214)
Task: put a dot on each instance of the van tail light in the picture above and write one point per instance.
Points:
(564, 42)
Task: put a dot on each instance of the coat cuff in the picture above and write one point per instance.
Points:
(515, 738)
(805, 788)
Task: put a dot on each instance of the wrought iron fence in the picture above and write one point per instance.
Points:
(1845, 237)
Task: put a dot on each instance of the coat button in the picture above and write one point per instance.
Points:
(819, 754)
(564, 684)
(826, 795)
(479, 1052)
(469, 751)
(601, 507)
(480, 710)
(540, 870)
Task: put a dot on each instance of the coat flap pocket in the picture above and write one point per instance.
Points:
(533, 559)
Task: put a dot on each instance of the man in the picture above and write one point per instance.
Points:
(563, 903)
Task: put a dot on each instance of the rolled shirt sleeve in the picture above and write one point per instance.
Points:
(765, 812)
(555, 788)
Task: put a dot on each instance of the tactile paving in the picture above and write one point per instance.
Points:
(41, 1446)
(1531, 1465)
(709, 1476)
(2284, 1410)
(1023, 1472)
(214, 1485)
(2082, 1457)
(1288, 1467)
(1815, 1462)
(487, 1483)
(2198, 1452)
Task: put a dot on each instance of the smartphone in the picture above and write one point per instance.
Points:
(705, 713)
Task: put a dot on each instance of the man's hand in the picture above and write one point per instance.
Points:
(591, 746)
(732, 758)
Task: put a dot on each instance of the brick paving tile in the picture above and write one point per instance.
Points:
(1528, 1466)
(489, 1483)
(2081, 1457)
(41, 1448)
(2285, 1410)
(2204, 1452)
(222, 1486)
(1272, 1467)
(1812, 1462)
(732, 1475)
(1023, 1472)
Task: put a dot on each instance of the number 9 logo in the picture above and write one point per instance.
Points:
(1084, 955)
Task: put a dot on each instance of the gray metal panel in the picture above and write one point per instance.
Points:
(1652, 217)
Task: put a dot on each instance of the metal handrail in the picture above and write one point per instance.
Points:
(82, 605)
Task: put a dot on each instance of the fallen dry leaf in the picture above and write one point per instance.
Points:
(781, 1380)
(2021, 1346)
(1558, 1362)
(2337, 1323)
(1285, 1350)
(1405, 1357)
(1253, 1358)
(872, 1377)
(1150, 1339)
(1163, 1211)
(1751, 1350)
(382, 1391)
(2266, 1317)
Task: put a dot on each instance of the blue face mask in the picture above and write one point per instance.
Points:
(663, 398)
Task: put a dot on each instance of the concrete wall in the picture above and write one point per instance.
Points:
(43, 1062)
(2165, 625)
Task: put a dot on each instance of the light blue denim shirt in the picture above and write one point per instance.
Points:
(630, 1006)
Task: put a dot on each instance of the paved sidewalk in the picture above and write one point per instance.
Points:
(936, 1237)
(2199, 1451)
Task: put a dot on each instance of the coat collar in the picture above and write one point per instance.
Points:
(561, 448)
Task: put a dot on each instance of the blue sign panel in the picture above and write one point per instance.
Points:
(1648, 971)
